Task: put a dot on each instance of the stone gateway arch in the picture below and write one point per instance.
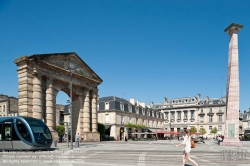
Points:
(42, 76)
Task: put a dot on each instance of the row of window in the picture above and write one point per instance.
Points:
(179, 114)
(2, 108)
(210, 118)
(211, 127)
(129, 120)
(211, 109)
(136, 108)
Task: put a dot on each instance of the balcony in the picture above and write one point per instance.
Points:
(178, 120)
(166, 120)
(210, 113)
(172, 120)
(192, 120)
(185, 120)
(220, 112)
(201, 113)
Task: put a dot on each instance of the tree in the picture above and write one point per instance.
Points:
(193, 130)
(101, 129)
(60, 129)
(203, 131)
(214, 131)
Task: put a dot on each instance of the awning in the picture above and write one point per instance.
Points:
(152, 130)
(247, 131)
(141, 133)
(167, 132)
(107, 126)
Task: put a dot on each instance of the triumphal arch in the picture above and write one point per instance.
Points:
(42, 76)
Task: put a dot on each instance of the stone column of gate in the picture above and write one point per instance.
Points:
(37, 97)
(94, 112)
(80, 116)
(49, 105)
(86, 110)
(25, 85)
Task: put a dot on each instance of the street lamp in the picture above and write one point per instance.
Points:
(71, 128)
(170, 131)
(70, 67)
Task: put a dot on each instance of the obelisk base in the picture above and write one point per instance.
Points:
(231, 142)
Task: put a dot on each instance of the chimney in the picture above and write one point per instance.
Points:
(199, 97)
(245, 111)
(143, 104)
(165, 99)
(207, 99)
(132, 101)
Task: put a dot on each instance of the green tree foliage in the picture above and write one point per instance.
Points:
(214, 131)
(203, 131)
(60, 129)
(101, 128)
(193, 130)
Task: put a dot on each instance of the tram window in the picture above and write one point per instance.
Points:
(0, 132)
(23, 131)
(7, 132)
(14, 135)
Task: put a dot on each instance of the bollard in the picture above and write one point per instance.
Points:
(77, 144)
(55, 143)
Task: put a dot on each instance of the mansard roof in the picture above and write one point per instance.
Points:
(185, 101)
(113, 98)
(115, 102)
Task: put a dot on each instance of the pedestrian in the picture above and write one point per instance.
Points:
(187, 149)
(78, 137)
(82, 138)
(219, 140)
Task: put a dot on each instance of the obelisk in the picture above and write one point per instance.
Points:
(231, 134)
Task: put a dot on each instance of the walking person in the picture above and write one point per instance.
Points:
(187, 149)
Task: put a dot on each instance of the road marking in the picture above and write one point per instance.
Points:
(141, 161)
(65, 162)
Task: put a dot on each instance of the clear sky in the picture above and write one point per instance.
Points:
(143, 49)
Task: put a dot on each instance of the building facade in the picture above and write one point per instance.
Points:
(8, 105)
(116, 112)
(246, 122)
(187, 112)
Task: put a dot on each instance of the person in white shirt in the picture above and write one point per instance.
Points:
(187, 149)
(219, 140)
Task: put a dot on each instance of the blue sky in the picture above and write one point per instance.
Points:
(143, 49)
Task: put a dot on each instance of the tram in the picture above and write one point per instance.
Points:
(24, 133)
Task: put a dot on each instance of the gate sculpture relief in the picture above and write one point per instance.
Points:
(42, 76)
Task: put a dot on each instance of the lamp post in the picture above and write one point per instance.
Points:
(71, 67)
(170, 131)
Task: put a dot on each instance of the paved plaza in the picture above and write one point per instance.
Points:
(137, 153)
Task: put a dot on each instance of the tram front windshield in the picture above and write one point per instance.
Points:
(40, 130)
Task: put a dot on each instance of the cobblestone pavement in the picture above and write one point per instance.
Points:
(137, 153)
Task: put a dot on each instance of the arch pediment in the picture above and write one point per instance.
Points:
(65, 61)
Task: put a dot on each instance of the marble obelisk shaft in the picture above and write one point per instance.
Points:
(231, 133)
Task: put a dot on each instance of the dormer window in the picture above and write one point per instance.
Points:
(107, 106)
(137, 109)
(130, 108)
(122, 106)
